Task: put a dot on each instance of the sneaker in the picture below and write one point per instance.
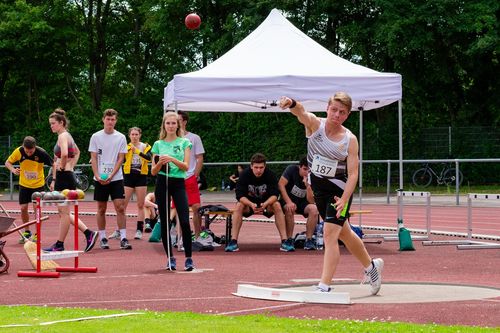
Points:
(34, 238)
(55, 247)
(287, 246)
(374, 275)
(26, 235)
(138, 234)
(147, 228)
(171, 265)
(232, 246)
(115, 235)
(321, 290)
(104, 244)
(91, 240)
(309, 245)
(124, 244)
(189, 265)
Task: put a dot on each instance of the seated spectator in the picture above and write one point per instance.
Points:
(150, 212)
(297, 198)
(257, 193)
(233, 179)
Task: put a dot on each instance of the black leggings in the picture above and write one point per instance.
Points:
(177, 193)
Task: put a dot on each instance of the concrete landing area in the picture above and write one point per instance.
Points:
(409, 292)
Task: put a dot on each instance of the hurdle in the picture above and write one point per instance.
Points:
(411, 194)
(469, 243)
(56, 255)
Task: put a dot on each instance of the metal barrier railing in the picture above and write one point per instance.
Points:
(7, 178)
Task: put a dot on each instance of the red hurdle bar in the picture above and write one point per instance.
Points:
(76, 268)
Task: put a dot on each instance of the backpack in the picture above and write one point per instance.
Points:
(299, 240)
(212, 208)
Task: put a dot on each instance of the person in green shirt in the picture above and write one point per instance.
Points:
(170, 163)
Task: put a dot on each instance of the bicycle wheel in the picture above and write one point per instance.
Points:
(450, 175)
(82, 182)
(48, 180)
(422, 177)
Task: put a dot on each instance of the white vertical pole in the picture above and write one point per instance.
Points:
(360, 179)
(400, 132)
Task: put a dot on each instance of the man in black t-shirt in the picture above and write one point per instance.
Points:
(257, 193)
(297, 198)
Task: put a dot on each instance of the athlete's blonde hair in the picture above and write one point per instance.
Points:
(343, 98)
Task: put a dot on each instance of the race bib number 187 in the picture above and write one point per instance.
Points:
(323, 166)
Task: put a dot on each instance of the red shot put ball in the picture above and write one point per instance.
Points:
(192, 21)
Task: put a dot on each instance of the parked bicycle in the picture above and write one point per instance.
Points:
(82, 181)
(447, 175)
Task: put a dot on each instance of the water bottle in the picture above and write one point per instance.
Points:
(319, 235)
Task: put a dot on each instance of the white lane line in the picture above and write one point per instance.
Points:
(259, 309)
(74, 319)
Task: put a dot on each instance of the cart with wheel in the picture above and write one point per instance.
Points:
(6, 223)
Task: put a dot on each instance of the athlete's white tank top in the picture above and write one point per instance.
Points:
(327, 158)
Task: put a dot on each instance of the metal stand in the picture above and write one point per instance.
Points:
(56, 255)
(469, 243)
(401, 195)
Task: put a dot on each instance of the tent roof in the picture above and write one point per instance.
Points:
(278, 59)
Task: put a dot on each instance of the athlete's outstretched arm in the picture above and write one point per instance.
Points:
(308, 119)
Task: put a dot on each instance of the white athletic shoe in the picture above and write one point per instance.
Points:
(115, 235)
(374, 276)
(321, 290)
(138, 234)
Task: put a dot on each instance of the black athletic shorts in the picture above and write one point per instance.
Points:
(25, 194)
(65, 180)
(250, 212)
(324, 195)
(134, 180)
(115, 190)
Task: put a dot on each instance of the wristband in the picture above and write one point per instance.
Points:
(294, 104)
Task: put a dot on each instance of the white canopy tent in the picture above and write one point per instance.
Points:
(275, 60)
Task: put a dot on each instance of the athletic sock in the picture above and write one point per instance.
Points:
(102, 234)
(123, 233)
(87, 233)
(324, 287)
(140, 225)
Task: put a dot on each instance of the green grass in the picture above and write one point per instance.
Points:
(191, 323)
